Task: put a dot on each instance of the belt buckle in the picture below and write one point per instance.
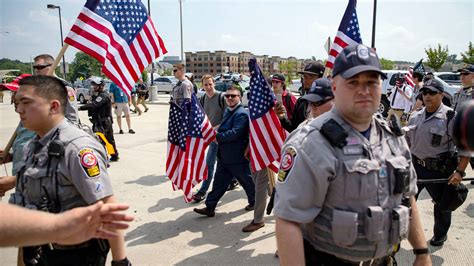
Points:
(421, 162)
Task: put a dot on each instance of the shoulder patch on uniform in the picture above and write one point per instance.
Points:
(71, 95)
(89, 162)
(98, 99)
(287, 162)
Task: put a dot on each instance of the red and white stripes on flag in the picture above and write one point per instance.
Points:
(266, 133)
(409, 78)
(189, 134)
(347, 34)
(266, 140)
(122, 60)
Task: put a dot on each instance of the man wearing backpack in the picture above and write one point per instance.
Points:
(214, 105)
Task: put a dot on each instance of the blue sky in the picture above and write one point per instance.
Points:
(286, 28)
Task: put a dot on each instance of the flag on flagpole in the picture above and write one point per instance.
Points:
(419, 67)
(189, 134)
(120, 35)
(347, 34)
(266, 133)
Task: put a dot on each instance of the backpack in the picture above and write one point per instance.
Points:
(221, 100)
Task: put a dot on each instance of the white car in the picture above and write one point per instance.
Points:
(295, 85)
(165, 84)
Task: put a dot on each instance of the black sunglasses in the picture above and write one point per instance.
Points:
(464, 73)
(431, 93)
(317, 104)
(231, 96)
(39, 67)
(175, 70)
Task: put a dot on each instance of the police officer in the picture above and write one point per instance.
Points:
(430, 136)
(100, 111)
(466, 93)
(346, 183)
(63, 168)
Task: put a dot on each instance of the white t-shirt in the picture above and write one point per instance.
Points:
(398, 100)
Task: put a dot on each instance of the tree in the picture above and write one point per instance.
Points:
(6, 63)
(386, 64)
(436, 57)
(288, 69)
(84, 66)
(468, 56)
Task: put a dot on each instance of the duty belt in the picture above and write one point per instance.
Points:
(428, 163)
(396, 109)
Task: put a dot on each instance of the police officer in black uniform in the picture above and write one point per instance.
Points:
(100, 111)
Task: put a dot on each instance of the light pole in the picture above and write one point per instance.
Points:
(183, 59)
(51, 6)
(152, 61)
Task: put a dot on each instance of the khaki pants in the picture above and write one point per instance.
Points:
(141, 100)
(398, 113)
(134, 103)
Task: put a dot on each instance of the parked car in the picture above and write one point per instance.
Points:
(223, 85)
(389, 83)
(295, 85)
(83, 94)
(451, 78)
(165, 84)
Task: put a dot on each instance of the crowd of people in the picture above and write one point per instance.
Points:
(345, 192)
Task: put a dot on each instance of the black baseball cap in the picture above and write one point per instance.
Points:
(356, 59)
(469, 68)
(313, 68)
(320, 90)
(278, 77)
(432, 85)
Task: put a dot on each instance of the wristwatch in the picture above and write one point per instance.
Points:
(461, 172)
(421, 251)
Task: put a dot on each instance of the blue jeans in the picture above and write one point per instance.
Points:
(211, 162)
(224, 175)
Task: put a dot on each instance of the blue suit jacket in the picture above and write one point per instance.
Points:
(233, 136)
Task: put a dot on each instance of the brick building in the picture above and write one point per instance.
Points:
(206, 62)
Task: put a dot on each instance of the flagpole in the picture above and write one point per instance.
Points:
(373, 23)
(57, 59)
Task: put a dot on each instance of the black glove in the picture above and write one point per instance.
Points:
(124, 262)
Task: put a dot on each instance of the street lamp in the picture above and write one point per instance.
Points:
(51, 6)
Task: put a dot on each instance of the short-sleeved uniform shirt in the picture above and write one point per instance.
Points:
(182, 90)
(78, 178)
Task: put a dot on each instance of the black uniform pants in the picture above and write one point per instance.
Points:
(442, 219)
(108, 131)
(92, 255)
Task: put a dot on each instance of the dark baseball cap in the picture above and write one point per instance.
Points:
(469, 68)
(313, 68)
(278, 77)
(356, 59)
(320, 90)
(432, 85)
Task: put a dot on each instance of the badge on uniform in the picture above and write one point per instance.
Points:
(353, 150)
(98, 99)
(287, 162)
(89, 162)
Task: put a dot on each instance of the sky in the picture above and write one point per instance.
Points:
(296, 28)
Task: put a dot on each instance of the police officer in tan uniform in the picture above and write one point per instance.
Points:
(346, 182)
(430, 136)
(63, 168)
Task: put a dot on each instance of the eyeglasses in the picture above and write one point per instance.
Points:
(431, 93)
(317, 104)
(231, 96)
(464, 73)
(39, 67)
(175, 70)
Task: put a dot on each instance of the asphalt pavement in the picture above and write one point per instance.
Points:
(167, 231)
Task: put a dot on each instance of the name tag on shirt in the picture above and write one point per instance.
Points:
(353, 150)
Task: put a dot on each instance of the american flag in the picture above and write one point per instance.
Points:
(266, 134)
(347, 34)
(120, 35)
(419, 67)
(189, 134)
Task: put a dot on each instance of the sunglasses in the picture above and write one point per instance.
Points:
(317, 104)
(175, 70)
(431, 93)
(231, 96)
(39, 67)
(464, 73)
